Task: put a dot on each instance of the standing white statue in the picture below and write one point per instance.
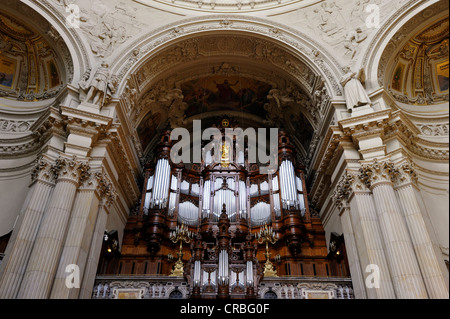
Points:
(101, 87)
(355, 94)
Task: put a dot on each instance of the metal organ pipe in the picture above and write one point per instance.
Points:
(206, 196)
(223, 266)
(197, 269)
(161, 183)
(156, 183)
(242, 197)
(166, 184)
(283, 183)
(291, 179)
(249, 273)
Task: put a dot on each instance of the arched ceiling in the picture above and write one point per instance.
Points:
(254, 81)
(32, 66)
(416, 73)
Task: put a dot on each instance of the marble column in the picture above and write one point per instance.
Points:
(367, 234)
(403, 265)
(90, 271)
(409, 199)
(46, 252)
(80, 232)
(352, 254)
(18, 252)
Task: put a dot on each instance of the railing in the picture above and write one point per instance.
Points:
(139, 287)
(306, 288)
(166, 287)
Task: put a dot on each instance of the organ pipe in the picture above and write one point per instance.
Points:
(197, 273)
(249, 273)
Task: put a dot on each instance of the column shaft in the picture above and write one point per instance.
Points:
(90, 272)
(19, 254)
(423, 246)
(369, 243)
(352, 256)
(44, 258)
(76, 247)
(405, 272)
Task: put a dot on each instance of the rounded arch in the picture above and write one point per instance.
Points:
(71, 37)
(125, 62)
(304, 72)
(392, 35)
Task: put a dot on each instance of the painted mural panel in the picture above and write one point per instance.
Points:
(442, 75)
(7, 71)
(220, 93)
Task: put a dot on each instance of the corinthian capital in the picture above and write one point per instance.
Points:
(71, 169)
(377, 172)
(406, 174)
(106, 189)
(348, 184)
(43, 171)
(342, 191)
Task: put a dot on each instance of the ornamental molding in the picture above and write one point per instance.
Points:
(81, 57)
(399, 37)
(300, 44)
(434, 129)
(235, 6)
(15, 126)
(46, 126)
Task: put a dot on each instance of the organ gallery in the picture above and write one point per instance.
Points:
(233, 225)
(224, 149)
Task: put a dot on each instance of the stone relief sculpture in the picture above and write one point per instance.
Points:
(177, 108)
(352, 39)
(355, 94)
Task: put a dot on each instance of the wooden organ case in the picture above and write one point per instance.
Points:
(223, 206)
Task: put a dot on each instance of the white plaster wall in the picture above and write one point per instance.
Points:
(437, 204)
(14, 185)
(332, 224)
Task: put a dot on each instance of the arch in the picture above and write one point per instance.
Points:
(136, 53)
(405, 20)
(137, 68)
(76, 43)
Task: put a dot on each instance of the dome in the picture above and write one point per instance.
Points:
(418, 73)
(30, 67)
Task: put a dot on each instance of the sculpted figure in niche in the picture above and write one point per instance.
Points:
(101, 87)
(355, 94)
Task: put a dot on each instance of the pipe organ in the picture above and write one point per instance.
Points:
(225, 204)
